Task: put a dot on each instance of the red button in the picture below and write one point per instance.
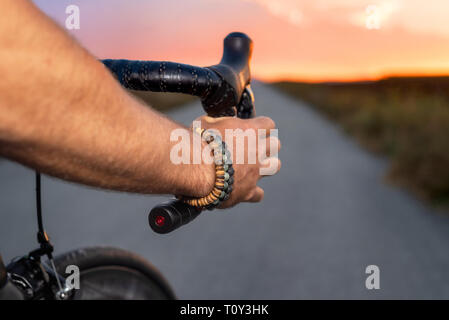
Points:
(160, 221)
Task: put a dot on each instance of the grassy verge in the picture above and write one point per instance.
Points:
(404, 118)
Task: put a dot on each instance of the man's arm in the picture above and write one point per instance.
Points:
(62, 113)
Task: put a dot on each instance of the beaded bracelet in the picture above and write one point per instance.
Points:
(224, 174)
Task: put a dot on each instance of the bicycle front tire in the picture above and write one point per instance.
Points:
(108, 273)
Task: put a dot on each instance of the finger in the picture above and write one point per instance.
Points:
(207, 121)
(264, 123)
(269, 147)
(256, 195)
(211, 120)
(269, 166)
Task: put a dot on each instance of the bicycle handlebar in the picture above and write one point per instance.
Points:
(171, 215)
(224, 90)
(220, 87)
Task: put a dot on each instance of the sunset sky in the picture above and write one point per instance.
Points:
(305, 40)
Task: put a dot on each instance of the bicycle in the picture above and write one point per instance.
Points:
(111, 273)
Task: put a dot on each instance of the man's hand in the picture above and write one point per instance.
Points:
(75, 122)
(264, 152)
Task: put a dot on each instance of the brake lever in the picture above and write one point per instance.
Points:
(246, 107)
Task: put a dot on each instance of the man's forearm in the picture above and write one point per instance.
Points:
(63, 113)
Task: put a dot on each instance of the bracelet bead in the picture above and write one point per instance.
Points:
(223, 173)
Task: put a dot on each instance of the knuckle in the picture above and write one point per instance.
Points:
(249, 196)
(262, 195)
(269, 122)
(278, 144)
(275, 142)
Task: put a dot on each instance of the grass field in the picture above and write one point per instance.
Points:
(404, 118)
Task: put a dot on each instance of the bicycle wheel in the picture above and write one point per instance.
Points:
(114, 274)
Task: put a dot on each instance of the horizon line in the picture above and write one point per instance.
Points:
(353, 79)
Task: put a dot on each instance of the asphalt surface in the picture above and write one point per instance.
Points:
(325, 217)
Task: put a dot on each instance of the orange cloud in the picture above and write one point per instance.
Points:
(311, 40)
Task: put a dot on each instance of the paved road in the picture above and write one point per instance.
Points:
(325, 217)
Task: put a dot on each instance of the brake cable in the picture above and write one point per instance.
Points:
(39, 207)
(46, 248)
